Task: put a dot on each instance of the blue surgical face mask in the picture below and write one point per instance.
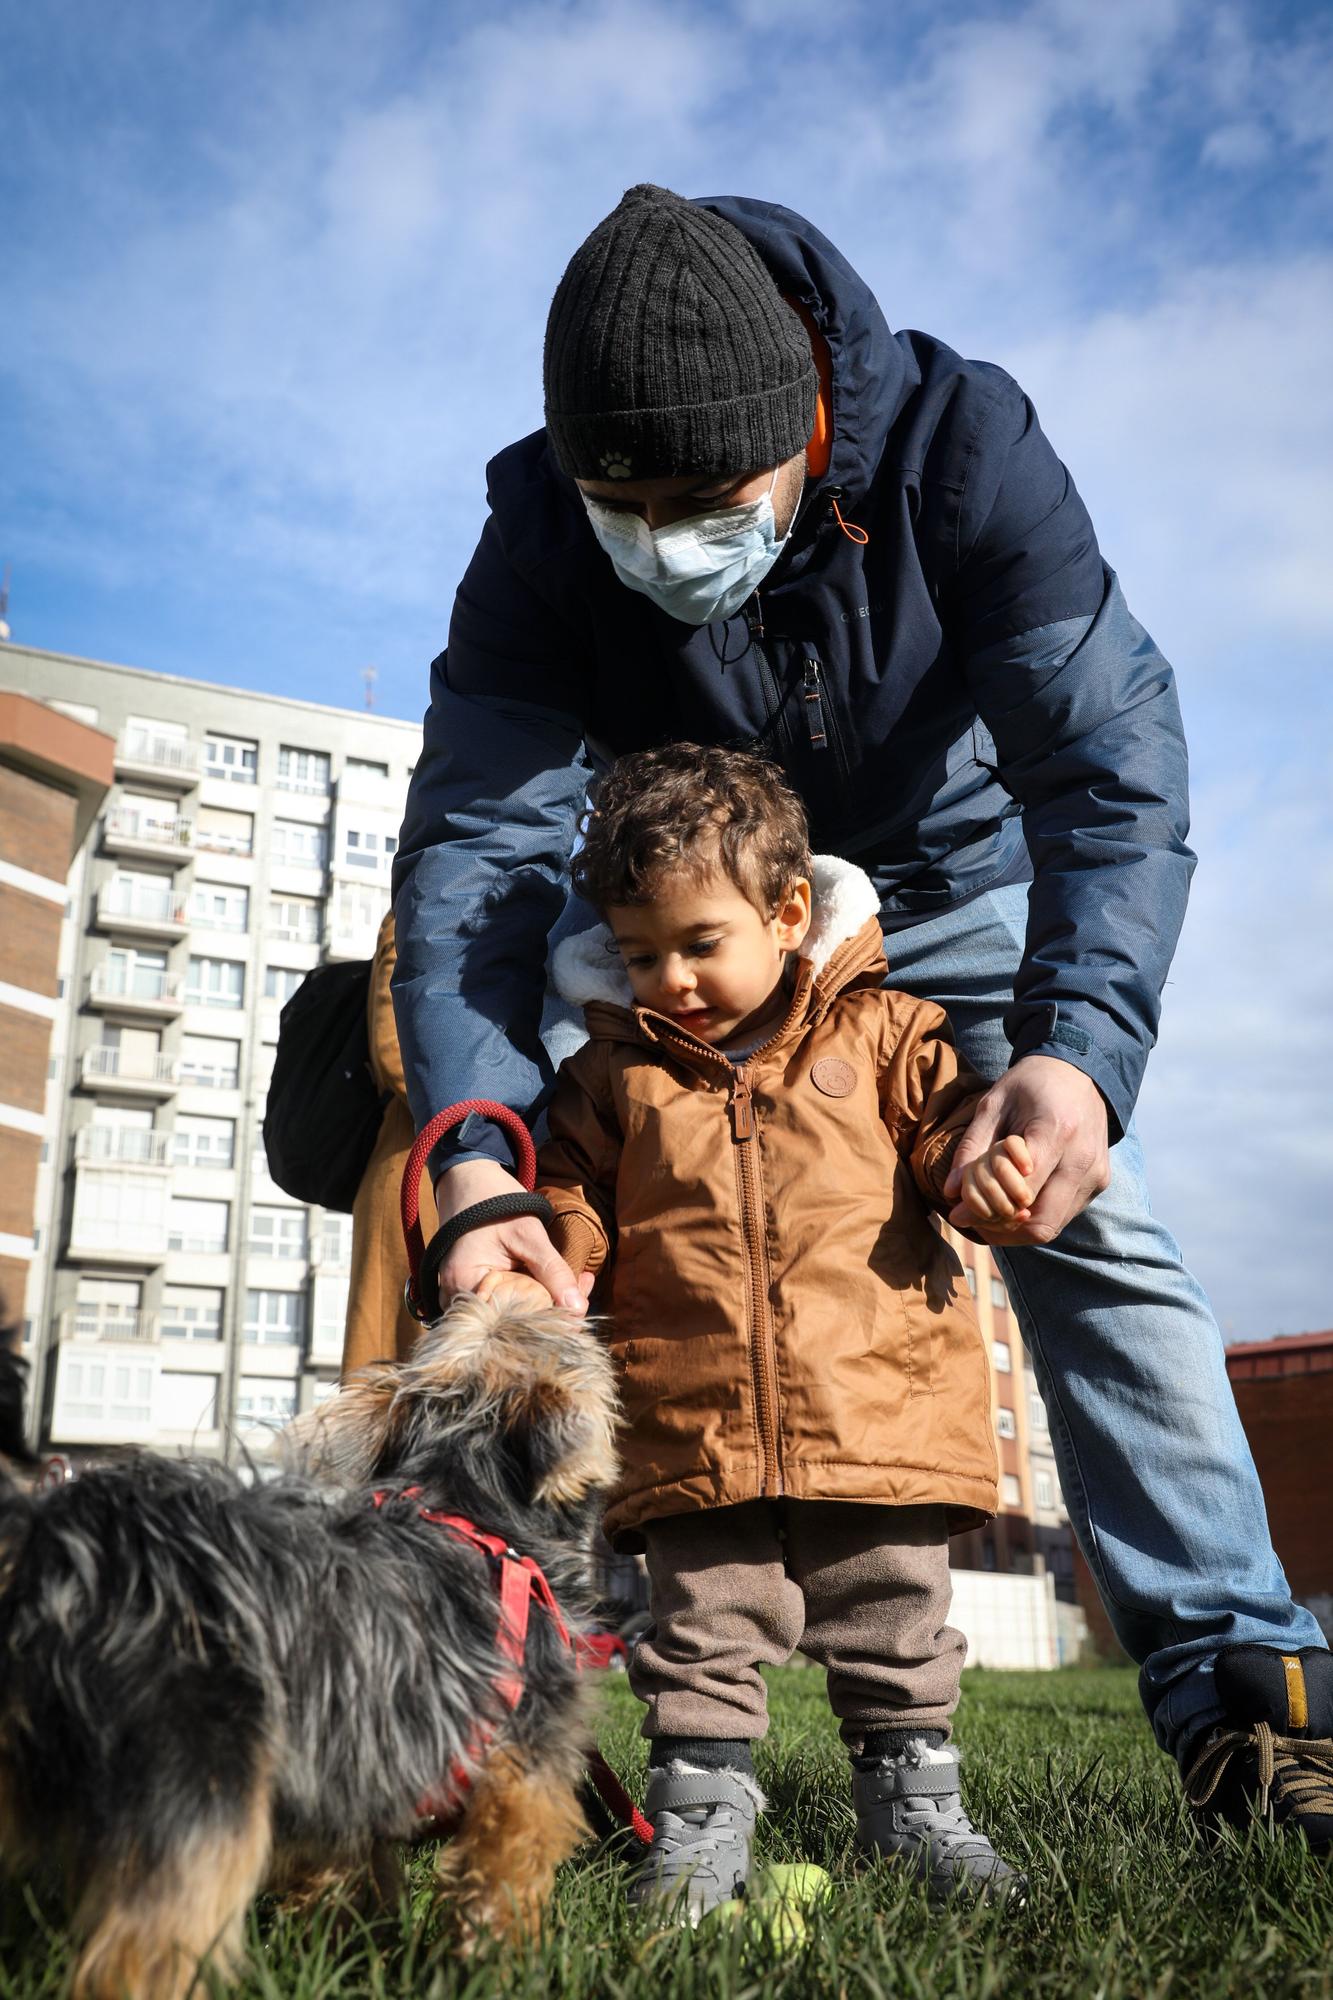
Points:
(696, 570)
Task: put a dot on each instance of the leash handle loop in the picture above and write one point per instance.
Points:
(427, 1139)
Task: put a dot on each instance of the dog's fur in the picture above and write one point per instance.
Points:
(207, 1685)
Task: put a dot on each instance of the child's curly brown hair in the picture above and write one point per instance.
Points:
(694, 808)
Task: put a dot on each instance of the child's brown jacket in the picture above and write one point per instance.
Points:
(785, 1318)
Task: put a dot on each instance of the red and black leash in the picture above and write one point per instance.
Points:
(520, 1578)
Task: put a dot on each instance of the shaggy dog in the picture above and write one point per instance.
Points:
(208, 1685)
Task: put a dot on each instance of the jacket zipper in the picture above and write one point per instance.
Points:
(812, 689)
(763, 1350)
(758, 1277)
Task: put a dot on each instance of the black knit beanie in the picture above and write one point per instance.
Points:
(670, 350)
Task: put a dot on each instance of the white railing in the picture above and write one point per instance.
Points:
(100, 1064)
(153, 906)
(122, 1146)
(163, 753)
(125, 823)
(142, 983)
(294, 934)
(197, 1246)
(104, 1322)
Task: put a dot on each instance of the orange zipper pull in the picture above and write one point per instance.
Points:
(742, 1111)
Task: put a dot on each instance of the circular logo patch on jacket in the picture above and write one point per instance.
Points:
(833, 1076)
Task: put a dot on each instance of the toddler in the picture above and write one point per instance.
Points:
(746, 1150)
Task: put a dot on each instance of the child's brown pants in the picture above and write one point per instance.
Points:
(864, 1590)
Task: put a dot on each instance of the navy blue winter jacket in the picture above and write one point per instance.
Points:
(963, 698)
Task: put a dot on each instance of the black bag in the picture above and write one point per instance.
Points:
(323, 1113)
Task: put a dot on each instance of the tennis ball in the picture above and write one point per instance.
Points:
(776, 1909)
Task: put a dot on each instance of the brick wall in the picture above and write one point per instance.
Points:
(1288, 1420)
(36, 824)
(30, 927)
(24, 1041)
(13, 1282)
(18, 1176)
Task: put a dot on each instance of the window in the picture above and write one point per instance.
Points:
(303, 770)
(186, 1402)
(191, 1312)
(218, 906)
(203, 1142)
(335, 1240)
(261, 1403)
(200, 1227)
(363, 848)
(1001, 1355)
(365, 767)
(1004, 1423)
(224, 831)
(294, 919)
(278, 1232)
(109, 1392)
(356, 912)
(1037, 1413)
(1045, 1490)
(999, 1298)
(118, 1208)
(970, 1274)
(108, 1309)
(233, 757)
(215, 982)
(275, 1319)
(330, 1313)
(134, 975)
(294, 844)
(280, 982)
(136, 893)
(1011, 1491)
(210, 1061)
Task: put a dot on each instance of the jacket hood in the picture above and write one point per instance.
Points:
(872, 372)
(586, 968)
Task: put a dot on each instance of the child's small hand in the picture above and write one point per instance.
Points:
(994, 1188)
(513, 1288)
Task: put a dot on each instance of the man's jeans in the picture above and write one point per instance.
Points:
(1157, 1475)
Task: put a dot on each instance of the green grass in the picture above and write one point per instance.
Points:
(1125, 1901)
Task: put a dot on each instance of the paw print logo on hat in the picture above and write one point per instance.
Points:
(615, 464)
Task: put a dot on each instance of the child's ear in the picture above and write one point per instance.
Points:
(792, 918)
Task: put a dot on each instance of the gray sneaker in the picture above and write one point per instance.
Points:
(703, 1826)
(908, 1808)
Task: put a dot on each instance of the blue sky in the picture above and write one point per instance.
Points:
(274, 282)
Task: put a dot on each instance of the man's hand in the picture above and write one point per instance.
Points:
(518, 1245)
(1060, 1114)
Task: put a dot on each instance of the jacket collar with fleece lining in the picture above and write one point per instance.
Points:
(586, 969)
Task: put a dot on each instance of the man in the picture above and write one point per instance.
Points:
(756, 517)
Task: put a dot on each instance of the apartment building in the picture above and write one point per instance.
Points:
(175, 1295)
(1032, 1525)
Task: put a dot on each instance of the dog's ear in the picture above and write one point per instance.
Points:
(342, 1440)
(563, 1431)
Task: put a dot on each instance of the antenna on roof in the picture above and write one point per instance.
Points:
(370, 675)
(4, 604)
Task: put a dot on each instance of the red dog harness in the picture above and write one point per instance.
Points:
(521, 1581)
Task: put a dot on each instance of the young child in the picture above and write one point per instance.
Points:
(746, 1149)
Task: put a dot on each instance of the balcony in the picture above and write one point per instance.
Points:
(105, 1069)
(144, 912)
(108, 1323)
(168, 760)
(137, 989)
(122, 1146)
(128, 831)
(119, 1214)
